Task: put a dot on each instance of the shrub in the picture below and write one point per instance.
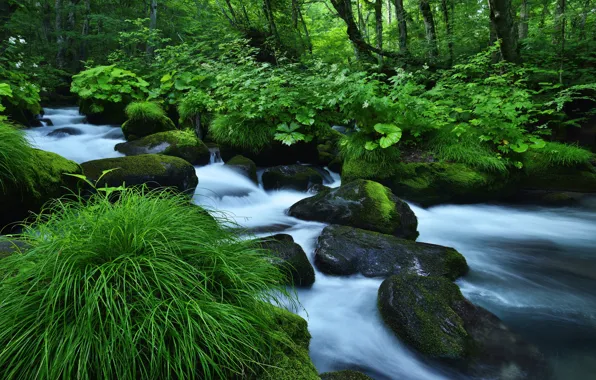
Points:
(15, 156)
(144, 111)
(144, 119)
(233, 130)
(142, 286)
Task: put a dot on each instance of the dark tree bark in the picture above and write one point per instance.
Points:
(448, 27)
(60, 41)
(559, 37)
(402, 25)
(524, 15)
(501, 16)
(85, 31)
(267, 8)
(429, 26)
(582, 20)
(379, 27)
(361, 48)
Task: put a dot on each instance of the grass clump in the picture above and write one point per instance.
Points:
(144, 111)
(16, 156)
(236, 131)
(559, 154)
(377, 161)
(142, 286)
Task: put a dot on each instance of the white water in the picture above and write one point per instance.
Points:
(533, 267)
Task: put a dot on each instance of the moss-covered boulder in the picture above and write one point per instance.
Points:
(144, 119)
(291, 362)
(153, 170)
(361, 204)
(432, 316)
(44, 181)
(296, 177)
(540, 174)
(431, 183)
(343, 250)
(290, 258)
(103, 112)
(244, 166)
(347, 374)
(183, 144)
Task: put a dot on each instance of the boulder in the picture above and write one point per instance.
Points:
(297, 177)
(182, 144)
(111, 114)
(343, 250)
(136, 128)
(577, 178)
(432, 183)
(45, 181)
(347, 374)
(66, 131)
(244, 166)
(290, 362)
(361, 204)
(291, 258)
(153, 170)
(431, 315)
(274, 154)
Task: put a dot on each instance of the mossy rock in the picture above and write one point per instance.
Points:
(291, 362)
(431, 183)
(343, 250)
(273, 154)
(112, 114)
(153, 170)
(296, 177)
(347, 374)
(135, 129)
(290, 258)
(539, 175)
(361, 204)
(244, 166)
(182, 144)
(431, 315)
(45, 181)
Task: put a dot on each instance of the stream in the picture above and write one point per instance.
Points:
(534, 267)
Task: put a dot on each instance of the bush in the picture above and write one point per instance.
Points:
(233, 130)
(15, 156)
(142, 286)
(144, 119)
(144, 111)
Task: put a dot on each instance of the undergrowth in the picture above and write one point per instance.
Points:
(15, 156)
(142, 285)
(559, 154)
(233, 130)
(144, 111)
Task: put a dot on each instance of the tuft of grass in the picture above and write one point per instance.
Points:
(467, 149)
(16, 156)
(144, 111)
(236, 131)
(352, 149)
(559, 154)
(142, 285)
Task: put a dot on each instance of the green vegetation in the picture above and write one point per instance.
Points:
(16, 156)
(144, 119)
(179, 296)
(144, 111)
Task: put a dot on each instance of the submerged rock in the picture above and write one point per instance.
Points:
(244, 166)
(180, 144)
(431, 315)
(290, 257)
(153, 170)
(135, 129)
(10, 246)
(362, 204)
(66, 131)
(297, 177)
(344, 375)
(44, 181)
(345, 250)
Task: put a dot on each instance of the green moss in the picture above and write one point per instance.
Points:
(291, 362)
(245, 166)
(182, 144)
(379, 196)
(344, 375)
(48, 174)
(145, 118)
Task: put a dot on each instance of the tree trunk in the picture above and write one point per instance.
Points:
(59, 36)
(71, 22)
(524, 15)
(344, 10)
(271, 20)
(559, 37)
(379, 27)
(85, 31)
(429, 26)
(403, 28)
(306, 33)
(448, 28)
(582, 20)
(152, 26)
(544, 13)
(501, 16)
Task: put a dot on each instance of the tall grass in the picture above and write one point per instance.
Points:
(352, 149)
(142, 287)
(144, 111)
(15, 156)
(234, 130)
(559, 154)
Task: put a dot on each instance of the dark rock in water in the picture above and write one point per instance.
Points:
(274, 154)
(135, 129)
(111, 114)
(431, 315)
(297, 177)
(345, 250)
(335, 165)
(549, 198)
(344, 375)
(45, 181)
(10, 246)
(361, 204)
(47, 122)
(244, 166)
(290, 257)
(66, 131)
(154, 170)
(114, 134)
(180, 144)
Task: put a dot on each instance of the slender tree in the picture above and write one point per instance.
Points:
(524, 15)
(152, 25)
(429, 26)
(402, 25)
(448, 27)
(501, 16)
(60, 41)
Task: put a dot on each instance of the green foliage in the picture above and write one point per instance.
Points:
(108, 84)
(252, 135)
(557, 154)
(16, 156)
(144, 111)
(139, 286)
(353, 149)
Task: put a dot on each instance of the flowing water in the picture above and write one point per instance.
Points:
(533, 267)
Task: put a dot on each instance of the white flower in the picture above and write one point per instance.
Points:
(425, 66)
(35, 66)
(19, 64)
(12, 40)
(365, 105)
(22, 40)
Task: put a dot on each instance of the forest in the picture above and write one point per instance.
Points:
(297, 189)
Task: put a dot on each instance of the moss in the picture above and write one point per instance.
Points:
(379, 196)
(419, 310)
(145, 118)
(245, 166)
(48, 174)
(182, 144)
(291, 362)
(291, 176)
(344, 375)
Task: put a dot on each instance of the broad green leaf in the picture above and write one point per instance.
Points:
(519, 147)
(390, 139)
(386, 129)
(371, 145)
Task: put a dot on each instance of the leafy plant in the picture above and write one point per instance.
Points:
(143, 285)
(289, 135)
